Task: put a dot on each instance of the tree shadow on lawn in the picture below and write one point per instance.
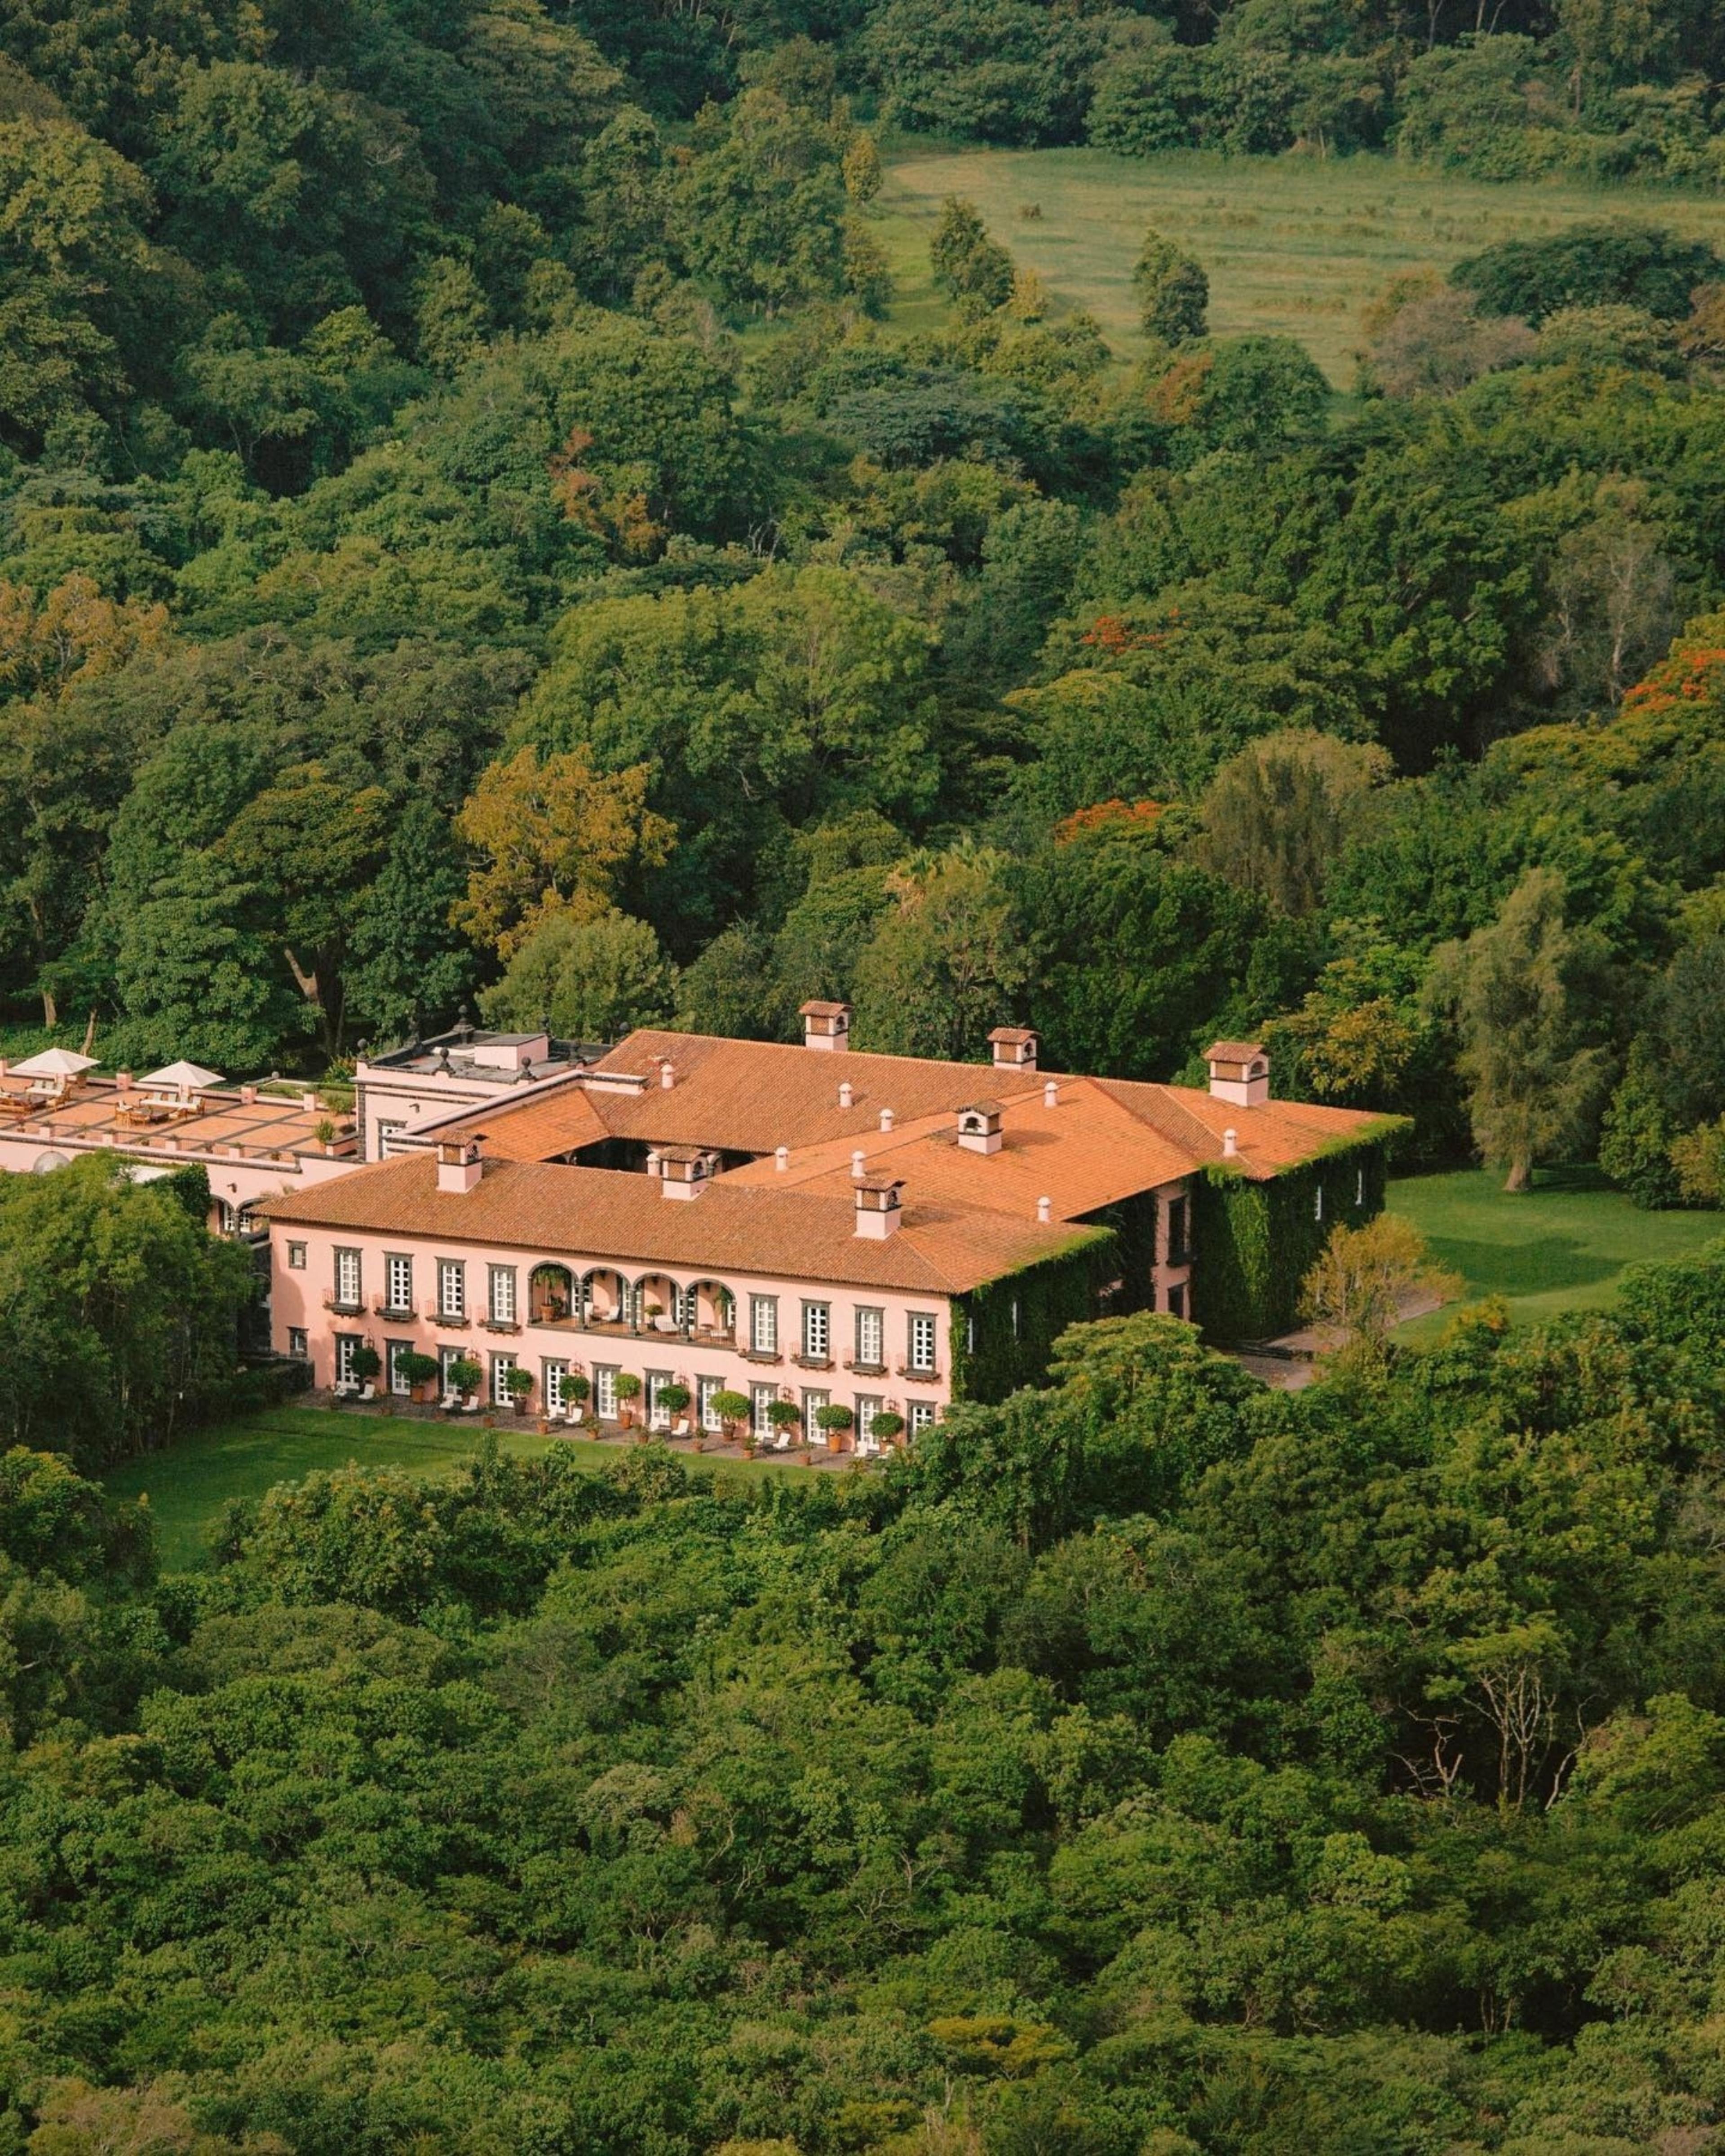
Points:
(1530, 1268)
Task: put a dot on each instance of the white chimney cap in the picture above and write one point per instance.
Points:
(667, 1073)
(1230, 1144)
(845, 1094)
(886, 1119)
(857, 1164)
(1045, 1210)
(781, 1157)
(1051, 1094)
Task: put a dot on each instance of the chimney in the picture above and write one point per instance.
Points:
(825, 1025)
(667, 1073)
(458, 1166)
(1045, 1210)
(1240, 1072)
(781, 1158)
(979, 1126)
(652, 1160)
(886, 1119)
(1015, 1048)
(857, 1165)
(845, 1094)
(877, 1209)
(1230, 1144)
(684, 1170)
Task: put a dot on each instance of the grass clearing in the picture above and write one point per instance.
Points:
(1293, 245)
(188, 1483)
(1559, 1246)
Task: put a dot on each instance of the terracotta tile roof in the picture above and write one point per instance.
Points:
(754, 1096)
(1279, 1134)
(1087, 1152)
(1233, 1051)
(601, 1215)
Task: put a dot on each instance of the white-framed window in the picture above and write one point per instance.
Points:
(970, 1332)
(605, 1391)
(348, 1278)
(393, 1351)
(1318, 1201)
(447, 1357)
(386, 1132)
(813, 1403)
(817, 1332)
(398, 1280)
(764, 1324)
(658, 1413)
(870, 1338)
(1017, 1316)
(921, 1416)
(761, 1397)
(705, 1390)
(919, 1340)
(299, 1344)
(297, 1257)
(552, 1377)
(502, 1292)
(868, 1406)
(346, 1347)
(1359, 1187)
(451, 1288)
(501, 1396)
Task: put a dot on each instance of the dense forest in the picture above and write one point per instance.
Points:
(1153, 1765)
(469, 541)
(474, 538)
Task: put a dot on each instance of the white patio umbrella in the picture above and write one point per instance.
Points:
(54, 1063)
(184, 1077)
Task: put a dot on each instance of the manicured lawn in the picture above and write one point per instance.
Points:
(188, 1484)
(1292, 245)
(1559, 1246)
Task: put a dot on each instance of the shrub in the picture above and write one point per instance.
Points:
(833, 1418)
(519, 1383)
(887, 1426)
(674, 1398)
(465, 1375)
(784, 1414)
(731, 1408)
(417, 1369)
(365, 1364)
(966, 262)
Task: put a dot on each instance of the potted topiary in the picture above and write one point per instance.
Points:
(577, 1391)
(785, 1416)
(886, 1428)
(629, 1391)
(520, 1384)
(835, 1420)
(674, 1400)
(365, 1363)
(731, 1408)
(418, 1372)
(465, 1375)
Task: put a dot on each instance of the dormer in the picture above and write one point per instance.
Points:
(878, 1209)
(1240, 1072)
(1015, 1048)
(685, 1170)
(825, 1025)
(459, 1166)
(979, 1126)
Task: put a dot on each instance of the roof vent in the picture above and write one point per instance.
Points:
(886, 1119)
(458, 1165)
(1240, 1072)
(846, 1096)
(1045, 1210)
(1230, 1144)
(979, 1126)
(667, 1073)
(877, 1209)
(1015, 1048)
(825, 1025)
(1051, 1094)
(781, 1158)
(857, 1165)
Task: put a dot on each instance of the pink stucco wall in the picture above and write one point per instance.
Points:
(300, 1294)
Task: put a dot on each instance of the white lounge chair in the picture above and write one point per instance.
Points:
(367, 1392)
(344, 1388)
(450, 1402)
(470, 1407)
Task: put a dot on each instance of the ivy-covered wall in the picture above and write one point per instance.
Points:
(1133, 1223)
(1254, 1242)
(992, 1355)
